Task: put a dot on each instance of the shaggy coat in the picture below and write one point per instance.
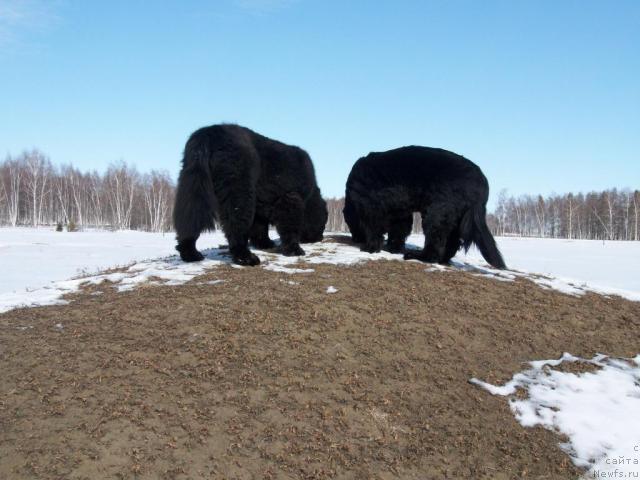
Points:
(449, 191)
(246, 181)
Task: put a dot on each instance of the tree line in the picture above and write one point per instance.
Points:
(608, 215)
(35, 192)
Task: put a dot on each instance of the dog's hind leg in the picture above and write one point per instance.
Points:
(437, 224)
(288, 217)
(352, 219)
(236, 195)
(373, 229)
(259, 234)
(454, 243)
(194, 209)
(399, 230)
(372, 221)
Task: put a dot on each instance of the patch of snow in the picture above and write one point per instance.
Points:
(274, 267)
(564, 286)
(212, 282)
(598, 411)
(435, 267)
(331, 289)
(484, 271)
(342, 254)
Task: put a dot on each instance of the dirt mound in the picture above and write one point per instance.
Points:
(266, 375)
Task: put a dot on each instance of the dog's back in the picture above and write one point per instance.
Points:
(273, 165)
(418, 175)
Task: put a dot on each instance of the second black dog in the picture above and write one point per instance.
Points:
(449, 191)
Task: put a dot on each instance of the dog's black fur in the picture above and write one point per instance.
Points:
(449, 191)
(315, 219)
(246, 181)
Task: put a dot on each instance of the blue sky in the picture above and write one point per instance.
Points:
(543, 95)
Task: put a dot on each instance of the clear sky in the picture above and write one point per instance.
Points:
(543, 95)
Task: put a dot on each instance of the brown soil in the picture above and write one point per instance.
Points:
(256, 378)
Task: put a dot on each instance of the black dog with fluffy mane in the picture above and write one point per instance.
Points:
(246, 181)
(449, 191)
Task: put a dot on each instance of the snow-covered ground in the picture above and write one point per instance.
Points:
(599, 411)
(37, 264)
(605, 266)
(32, 258)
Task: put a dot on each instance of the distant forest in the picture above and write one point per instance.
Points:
(34, 192)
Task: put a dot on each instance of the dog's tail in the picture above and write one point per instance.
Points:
(195, 203)
(474, 229)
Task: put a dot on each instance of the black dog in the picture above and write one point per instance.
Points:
(246, 181)
(449, 191)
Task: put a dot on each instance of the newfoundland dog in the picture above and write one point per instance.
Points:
(245, 181)
(449, 191)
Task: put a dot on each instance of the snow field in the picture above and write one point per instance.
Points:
(37, 263)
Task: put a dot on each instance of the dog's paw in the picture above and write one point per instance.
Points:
(248, 259)
(292, 250)
(189, 253)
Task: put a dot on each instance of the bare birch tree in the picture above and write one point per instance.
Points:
(636, 202)
(36, 182)
(120, 183)
(157, 195)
